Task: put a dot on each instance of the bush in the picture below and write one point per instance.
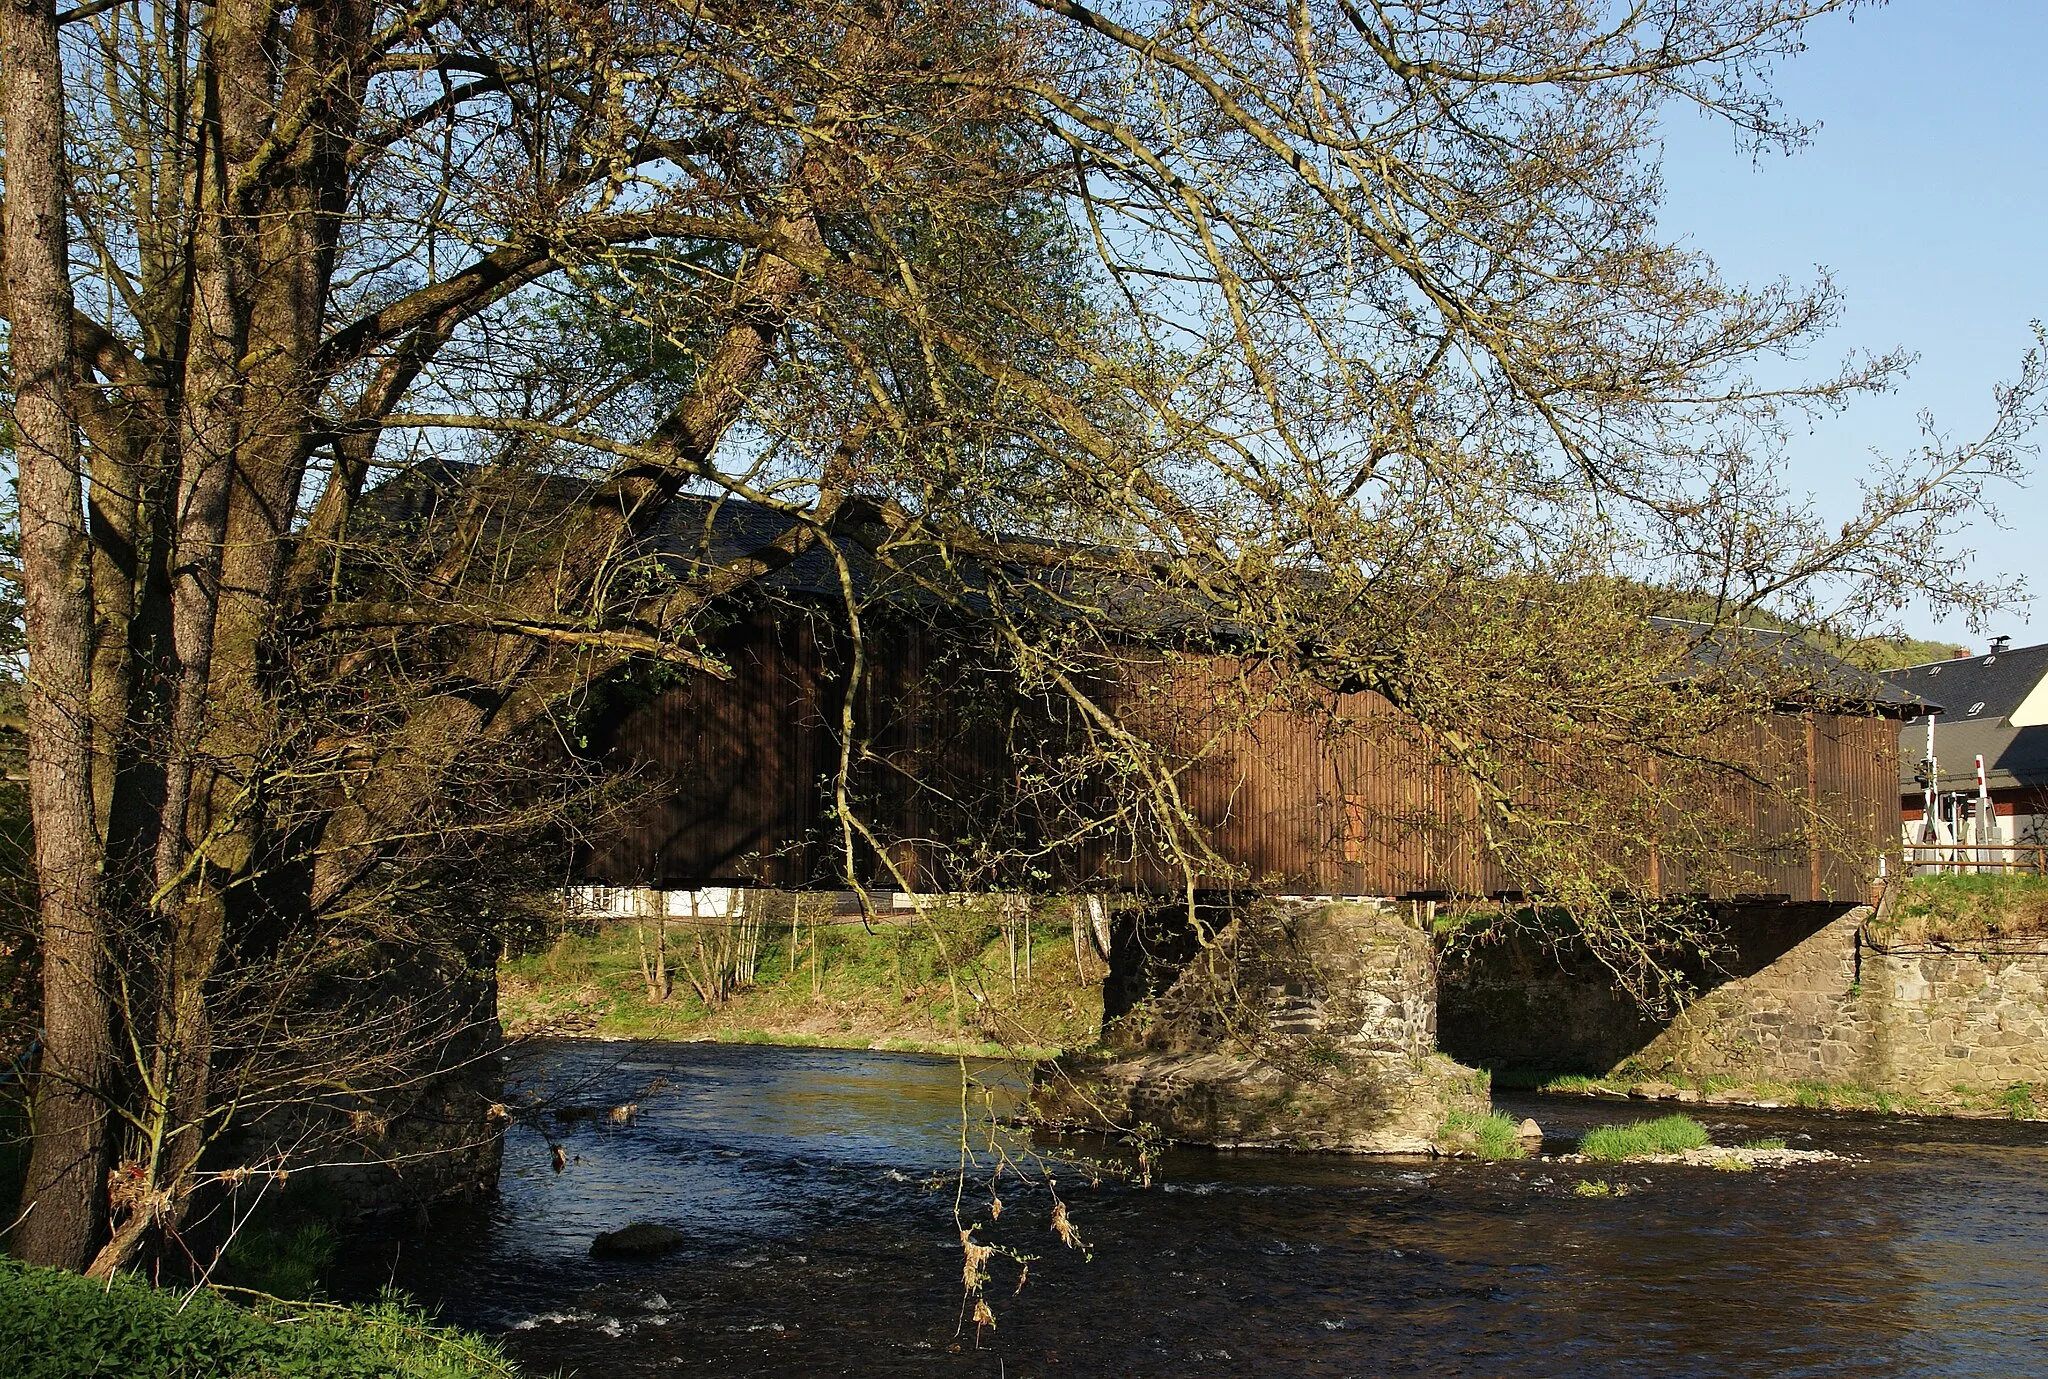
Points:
(1665, 1135)
(59, 1325)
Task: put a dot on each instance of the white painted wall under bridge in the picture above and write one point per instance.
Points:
(724, 902)
(645, 902)
(820, 907)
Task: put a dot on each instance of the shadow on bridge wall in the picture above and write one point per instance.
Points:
(1805, 996)
(1514, 1006)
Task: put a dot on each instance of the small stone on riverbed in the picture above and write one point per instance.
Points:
(1529, 1130)
(641, 1240)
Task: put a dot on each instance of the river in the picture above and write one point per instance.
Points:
(815, 1189)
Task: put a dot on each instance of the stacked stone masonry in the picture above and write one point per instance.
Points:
(1305, 1026)
(1805, 997)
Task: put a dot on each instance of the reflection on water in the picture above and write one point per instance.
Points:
(818, 1243)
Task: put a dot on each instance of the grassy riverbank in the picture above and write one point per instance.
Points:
(1966, 909)
(940, 984)
(2018, 1101)
(59, 1325)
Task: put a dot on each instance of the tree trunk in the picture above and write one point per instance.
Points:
(66, 1187)
(664, 985)
(646, 970)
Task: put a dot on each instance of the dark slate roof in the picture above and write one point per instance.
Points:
(699, 532)
(1977, 697)
(692, 531)
(1816, 674)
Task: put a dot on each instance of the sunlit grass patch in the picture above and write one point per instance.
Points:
(1665, 1135)
(1968, 908)
(1594, 1187)
(1774, 1142)
(941, 982)
(57, 1325)
(1494, 1135)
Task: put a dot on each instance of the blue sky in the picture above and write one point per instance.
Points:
(1924, 190)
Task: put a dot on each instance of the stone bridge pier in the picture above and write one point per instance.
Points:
(1268, 1024)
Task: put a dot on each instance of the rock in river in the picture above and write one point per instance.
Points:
(641, 1240)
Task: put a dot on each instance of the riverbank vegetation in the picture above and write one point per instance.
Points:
(1963, 909)
(2017, 1100)
(953, 979)
(1664, 1135)
(1684, 1141)
(55, 1324)
(1493, 1135)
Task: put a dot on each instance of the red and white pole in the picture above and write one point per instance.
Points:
(1930, 823)
(1987, 822)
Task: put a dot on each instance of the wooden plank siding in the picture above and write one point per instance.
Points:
(1349, 799)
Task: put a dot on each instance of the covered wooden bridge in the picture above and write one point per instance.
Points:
(1344, 797)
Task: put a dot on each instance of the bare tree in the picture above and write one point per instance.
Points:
(1344, 327)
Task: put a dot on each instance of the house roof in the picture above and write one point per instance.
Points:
(1994, 706)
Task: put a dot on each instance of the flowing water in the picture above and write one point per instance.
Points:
(815, 1190)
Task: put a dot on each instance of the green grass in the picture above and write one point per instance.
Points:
(1965, 909)
(1828, 1096)
(59, 1325)
(1593, 1187)
(1490, 1136)
(1665, 1135)
(938, 985)
(1808, 1095)
(284, 1259)
(964, 1048)
(1774, 1142)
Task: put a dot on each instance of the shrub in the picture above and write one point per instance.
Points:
(58, 1325)
(1665, 1135)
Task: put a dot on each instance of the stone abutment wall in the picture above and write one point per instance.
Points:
(1804, 997)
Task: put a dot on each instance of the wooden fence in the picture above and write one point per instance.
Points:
(1967, 859)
